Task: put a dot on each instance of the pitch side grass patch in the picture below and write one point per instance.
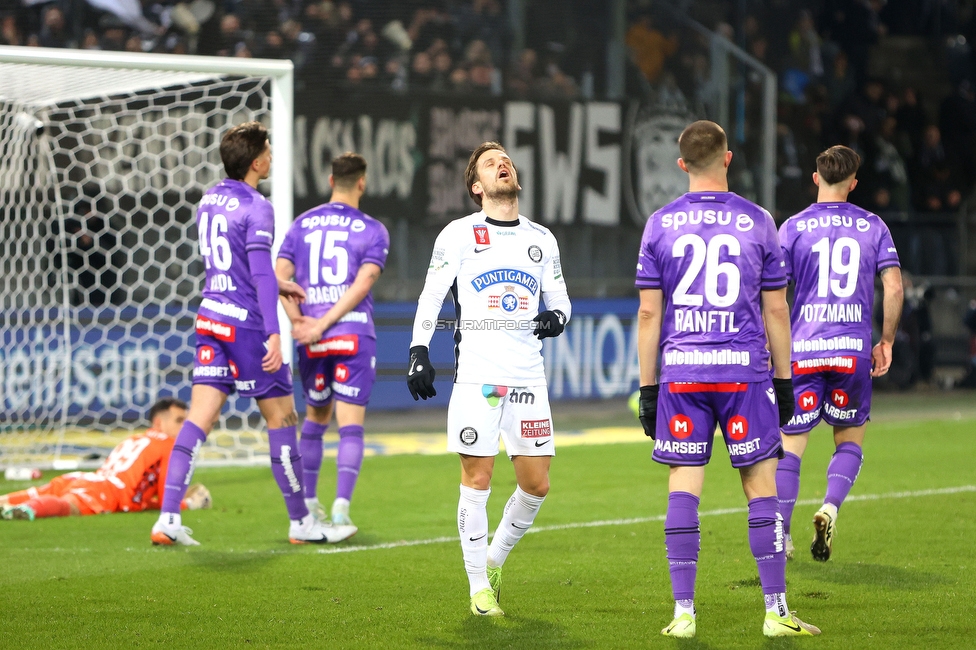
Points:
(900, 576)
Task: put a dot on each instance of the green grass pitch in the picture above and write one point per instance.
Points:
(902, 575)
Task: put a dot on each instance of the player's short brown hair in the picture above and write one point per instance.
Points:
(701, 144)
(837, 164)
(471, 171)
(164, 404)
(347, 169)
(241, 146)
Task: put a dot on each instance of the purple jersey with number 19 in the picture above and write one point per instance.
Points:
(232, 220)
(832, 252)
(712, 253)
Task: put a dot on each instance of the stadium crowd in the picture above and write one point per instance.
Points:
(458, 46)
(918, 167)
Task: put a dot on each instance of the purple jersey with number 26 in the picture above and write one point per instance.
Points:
(232, 220)
(832, 252)
(712, 253)
(328, 244)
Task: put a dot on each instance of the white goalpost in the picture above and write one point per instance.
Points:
(103, 157)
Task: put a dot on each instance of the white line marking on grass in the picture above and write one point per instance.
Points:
(644, 520)
(545, 529)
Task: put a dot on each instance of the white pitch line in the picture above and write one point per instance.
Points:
(644, 520)
(544, 529)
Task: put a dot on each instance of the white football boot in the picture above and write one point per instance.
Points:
(310, 530)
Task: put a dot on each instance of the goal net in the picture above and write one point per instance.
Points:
(103, 158)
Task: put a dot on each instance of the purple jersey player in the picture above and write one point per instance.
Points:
(335, 253)
(238, 342)
(712, 293)
(833, 250)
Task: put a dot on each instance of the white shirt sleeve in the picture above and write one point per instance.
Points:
(445, 263)
(554, 285)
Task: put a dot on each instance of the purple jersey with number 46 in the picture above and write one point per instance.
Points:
(832, 253)
(328, 244)
(233, 219)
(712, 253)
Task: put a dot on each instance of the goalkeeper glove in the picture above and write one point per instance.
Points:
(420, 375)
(549, 323)
(648, 409)
(784, 399)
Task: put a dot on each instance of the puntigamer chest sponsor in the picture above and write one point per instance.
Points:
(512, 276)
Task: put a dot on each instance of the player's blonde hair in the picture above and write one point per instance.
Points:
(471, 171)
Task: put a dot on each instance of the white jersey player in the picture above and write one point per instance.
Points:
(499, 267)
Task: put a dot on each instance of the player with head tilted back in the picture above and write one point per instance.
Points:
(499, 267)
(238, 340)
(335, 253)
(833, 250)
(712, 290)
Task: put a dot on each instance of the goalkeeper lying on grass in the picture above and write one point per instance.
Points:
(128, 481)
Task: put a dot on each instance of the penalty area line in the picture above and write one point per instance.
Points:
(644, 520)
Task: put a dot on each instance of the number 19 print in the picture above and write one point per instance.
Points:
(834, 266)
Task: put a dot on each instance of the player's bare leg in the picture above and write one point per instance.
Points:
(205, 404)
(788, 482)
(532, 477)
(472, 520)
(349, 457)
(842, 471)
(311, 445)
(682, 538)
(768, 547)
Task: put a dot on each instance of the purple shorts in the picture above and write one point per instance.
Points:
(687, 413)
(836, 390)
(342, 366)
(229, 357)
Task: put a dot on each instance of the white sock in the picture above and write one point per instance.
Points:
(776, 603)
(684, 607)
(473, 530)
(520, 512)
(171, 520)
(312, 503)
(340, 506)
(830, 509)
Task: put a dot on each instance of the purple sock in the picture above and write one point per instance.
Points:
(787, 486)
(310, 447)
(348, 460)
(284, 461)
(842, 471)
(767, 543)
(180, 470)
(682, 537)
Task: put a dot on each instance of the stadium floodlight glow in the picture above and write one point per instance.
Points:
(103, 156)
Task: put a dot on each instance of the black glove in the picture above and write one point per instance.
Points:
(420, 375)
(784, 399)
(549, 323)
(648, 409)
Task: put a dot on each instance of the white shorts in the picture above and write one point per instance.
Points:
(481, 414)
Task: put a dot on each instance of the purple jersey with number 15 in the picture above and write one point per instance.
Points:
(233, 219)
(328, 244)
(832, 252)
(712, 253)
